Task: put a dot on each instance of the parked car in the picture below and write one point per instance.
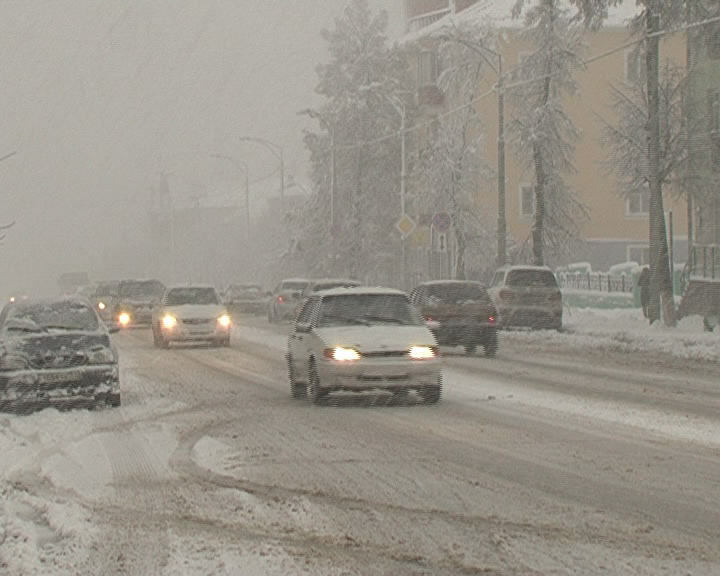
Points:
(317, 285)
(56, 353)
(361, 339)
(459, 313)
(245, 298)
(104, 298)
(283, 301)
(527, 296)
(136, 300)
(191, 313)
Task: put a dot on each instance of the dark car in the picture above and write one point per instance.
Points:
(460, 313)
(56, 353)
(136, 300)
(245, 298)
(527, 297)
(103, 298)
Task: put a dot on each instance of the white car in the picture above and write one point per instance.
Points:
(191, 313)
(362, 339)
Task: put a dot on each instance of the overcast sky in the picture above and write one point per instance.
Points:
(100, 97)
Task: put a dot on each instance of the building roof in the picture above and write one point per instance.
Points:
(498, 13)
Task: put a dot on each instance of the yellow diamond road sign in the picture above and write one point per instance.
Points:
(405, 225)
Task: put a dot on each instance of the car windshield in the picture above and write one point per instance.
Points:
(46, 316)
(529, 277)
(353, 309)
(246, 291)
(456, 293)
(293, 286)
(141, 289)
(106, 290)
(191, 295)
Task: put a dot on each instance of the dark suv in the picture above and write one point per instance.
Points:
(459, 313)
(527, 296)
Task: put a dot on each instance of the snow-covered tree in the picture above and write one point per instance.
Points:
(544, 133)
(653, 12)
(451, 164)
(626, 141)
(356, 157)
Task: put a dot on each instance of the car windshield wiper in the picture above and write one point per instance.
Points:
(384, 319)
(25, 328)
(348, 319)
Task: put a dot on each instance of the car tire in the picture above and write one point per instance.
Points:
(314, 391)
(491, 347)
(297, 390)
(470, 349)
(113, 400)
(162, 343)
(431, 394)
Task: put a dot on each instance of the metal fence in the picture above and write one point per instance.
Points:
(596, 281)
(705, 262)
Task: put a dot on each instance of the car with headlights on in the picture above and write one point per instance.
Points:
(191, 313)
(284, 300)
(459, 313)
(136, 300)
(104, 298)
(362, 339)
(56, 353)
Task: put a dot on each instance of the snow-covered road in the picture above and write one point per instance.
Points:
(588, 452)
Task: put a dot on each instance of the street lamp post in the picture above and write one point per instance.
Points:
(243, 167)
(277, 151)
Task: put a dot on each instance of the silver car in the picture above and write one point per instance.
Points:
(362, 339)
(284, 300)
(191, 313)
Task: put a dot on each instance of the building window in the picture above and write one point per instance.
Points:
(427, 70)
(638, 203)
(634, 65)
(527, 200)
(639, 254)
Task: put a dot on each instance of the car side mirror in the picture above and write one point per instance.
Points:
(113, 328)
(303, 327)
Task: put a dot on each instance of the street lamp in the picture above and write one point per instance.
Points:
(241, 166)
(277, 151)
(496, 67)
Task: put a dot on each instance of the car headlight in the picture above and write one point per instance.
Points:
(102, 355)
(342, 354)
(224, 321)
(422, 352)
(101, 306)
(124, 318)
(169, 321)
(13, 362)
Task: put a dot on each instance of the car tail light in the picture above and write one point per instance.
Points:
(506, 295)
(280, 299)
(491, 320)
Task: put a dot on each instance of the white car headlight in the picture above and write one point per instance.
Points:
(342, 354)
(102, 355)
(13, 362)
(422, 352)
(169, 321)
(224, 321)
(124, 318)
(101, 306)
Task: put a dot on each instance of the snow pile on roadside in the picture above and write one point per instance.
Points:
(628, 330)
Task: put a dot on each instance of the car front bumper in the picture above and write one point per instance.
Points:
(201, 333)
(77, 387)
(373, 374)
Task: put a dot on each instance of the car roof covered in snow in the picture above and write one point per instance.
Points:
(361, 290)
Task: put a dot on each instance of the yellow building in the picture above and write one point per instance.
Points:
(617, 228)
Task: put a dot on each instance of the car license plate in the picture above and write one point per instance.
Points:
(55, 377)
(385, 373)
